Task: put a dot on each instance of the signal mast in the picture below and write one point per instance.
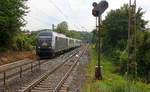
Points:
(97, 12)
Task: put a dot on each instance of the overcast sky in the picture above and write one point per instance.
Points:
(44, 13)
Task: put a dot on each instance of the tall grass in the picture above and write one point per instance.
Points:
(111, 82)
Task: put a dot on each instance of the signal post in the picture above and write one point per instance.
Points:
(97, 12)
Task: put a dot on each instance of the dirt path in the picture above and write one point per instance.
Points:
(9, 57)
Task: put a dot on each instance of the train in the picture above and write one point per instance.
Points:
(49, 43)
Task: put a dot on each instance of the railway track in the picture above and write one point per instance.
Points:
(54, 80)
(18, 74)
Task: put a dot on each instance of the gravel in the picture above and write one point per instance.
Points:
(15, 84)
(78, 77)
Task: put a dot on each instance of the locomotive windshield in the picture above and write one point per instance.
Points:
(44, 40)
(45, 35)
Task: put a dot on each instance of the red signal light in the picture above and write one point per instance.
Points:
(99, 8)
(95, 13)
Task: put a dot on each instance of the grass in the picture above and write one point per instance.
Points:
(111, 82)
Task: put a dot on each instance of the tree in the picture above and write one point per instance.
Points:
(143, 54)
(11, 20)
(62, 27)
(115, 29)
(116, 26)
(94, 36)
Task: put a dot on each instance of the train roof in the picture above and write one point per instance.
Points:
(50, 33)
(58, 34)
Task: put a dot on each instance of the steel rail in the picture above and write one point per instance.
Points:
(16, 65)
(21, 71)
(68, 73)
(45, 75)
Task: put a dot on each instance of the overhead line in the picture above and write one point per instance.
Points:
(57, 8)
(69, 5)
(65, 16)
(38, 20)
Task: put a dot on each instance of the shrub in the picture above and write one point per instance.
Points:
(2, 49)
(23, 42)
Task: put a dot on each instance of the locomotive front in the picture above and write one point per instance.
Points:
(44, 44)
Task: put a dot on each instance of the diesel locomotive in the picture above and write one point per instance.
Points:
(49, 43)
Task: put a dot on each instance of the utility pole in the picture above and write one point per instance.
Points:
(53, 27)
(97, 12)
(132, 31)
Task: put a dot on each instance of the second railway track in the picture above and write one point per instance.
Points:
(53, 80)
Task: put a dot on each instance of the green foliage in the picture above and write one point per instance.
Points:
(84, 36)
(24, 42)
(115, 37)
(62, 27)
(94, 36)
(111, 82)
(115, 26)
(114, 86)
(11, 20)
(143, 54)
(73, 34)
(2, 49)
(142, 57)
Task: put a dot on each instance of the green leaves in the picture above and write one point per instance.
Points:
(115, 37)
(116, 25)
(11, 20)
(62, 27)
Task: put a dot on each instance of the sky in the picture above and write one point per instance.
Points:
(43, 13)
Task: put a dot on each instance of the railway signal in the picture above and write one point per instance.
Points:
(99, 8)
(97, 11)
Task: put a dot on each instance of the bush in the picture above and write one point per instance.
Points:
(23, 42)
(2, 49)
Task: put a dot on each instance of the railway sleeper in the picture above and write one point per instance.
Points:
(65, 85)
(62, 90)
(42, 88)
(45, 83)
(41, 91)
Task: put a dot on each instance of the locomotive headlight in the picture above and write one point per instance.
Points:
(39, 47)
